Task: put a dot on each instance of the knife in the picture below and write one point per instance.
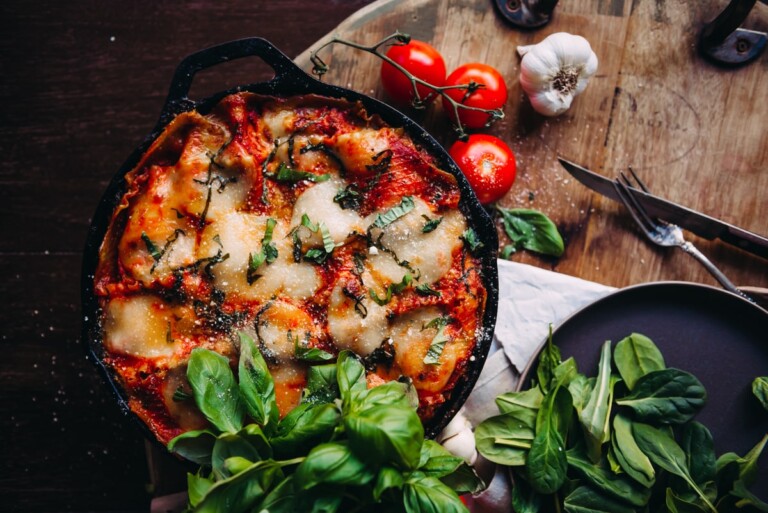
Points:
(696, 222)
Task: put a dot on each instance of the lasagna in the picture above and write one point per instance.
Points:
(307, 224)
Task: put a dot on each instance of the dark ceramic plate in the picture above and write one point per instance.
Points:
(713, 334)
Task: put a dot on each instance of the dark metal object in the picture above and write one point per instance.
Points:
(289, 80)
(693, 221)
(526, 13)
(724, 42)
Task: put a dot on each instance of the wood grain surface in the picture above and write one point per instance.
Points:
(82, 83)
(694, 132)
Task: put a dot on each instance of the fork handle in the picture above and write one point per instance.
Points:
(714, 271)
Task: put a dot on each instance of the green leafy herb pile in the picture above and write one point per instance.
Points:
(530, 229)
(345, 448)
(623, 441)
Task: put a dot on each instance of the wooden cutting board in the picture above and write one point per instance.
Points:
(695, 133)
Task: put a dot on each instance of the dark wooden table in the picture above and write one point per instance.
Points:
(81, 84)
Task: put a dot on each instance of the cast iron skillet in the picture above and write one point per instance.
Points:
(289, 80)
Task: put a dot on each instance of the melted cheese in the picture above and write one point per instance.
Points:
(431, 253)
(140, 326)
(352, 330)
(318, 205)
(357, 149)
(239, 235)
(279, 325)
(183, 412)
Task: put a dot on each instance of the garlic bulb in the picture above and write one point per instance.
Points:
(554, 71)
(457, 437)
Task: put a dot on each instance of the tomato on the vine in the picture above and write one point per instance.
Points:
(422, 61)
(488, 163)
(490, 93)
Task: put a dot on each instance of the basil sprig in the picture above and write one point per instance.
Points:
(267, 253)
(531, 230)
(290, 175)
(618, 442)
(344, 447)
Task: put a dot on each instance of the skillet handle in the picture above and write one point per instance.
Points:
(177, 99)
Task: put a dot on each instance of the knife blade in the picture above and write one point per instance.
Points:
(693, 221)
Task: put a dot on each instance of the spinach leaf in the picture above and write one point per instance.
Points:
(386, 435)
(216, 392)
(760, 390)
(322, 386)
(595, 415)
(731, 467)
(546, 464)
(436, 461)
(464, 480)
(527, 400)
(429, 495)
(580, 388)
(636, 356)
(196, 446)
(632, 460)
(524, 498)
(664, 451)
(532, 230)
(699, 448)
(606, 482)
(585, 500)
(677, 504)
(505, 439)
(256, 385)
(747, 498)
(549, 359)
(332, 463)
(668, 396)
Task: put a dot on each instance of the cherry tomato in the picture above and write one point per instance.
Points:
(422, 61)
(488, 163)
(492, 95)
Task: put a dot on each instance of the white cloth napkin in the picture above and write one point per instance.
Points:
(530, 299)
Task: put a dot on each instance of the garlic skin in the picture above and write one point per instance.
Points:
(554, 71)
(458, 438)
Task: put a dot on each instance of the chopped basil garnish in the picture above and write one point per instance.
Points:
(425, 290)
(267, 254)
(305, 222)
(392, 288)
(306, 353)
(358, 300)
(180, 395)
(157, 253)
(348, 197)
(438, 342)
(471, 240)
(287, 174)
(153, 250)
(394, 213)
(430, 224)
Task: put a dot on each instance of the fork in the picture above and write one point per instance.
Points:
(666, 234)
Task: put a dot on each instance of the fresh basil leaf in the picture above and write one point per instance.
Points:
(546, 464)
(286, 174)
(254, 435)
(532, 230)
(393, 214)
(309, 426)
(585, 500)
(426, 290)
(632, 460)
(197, 487)
(472, 241)
(306, 353)
(617, 487)
(256, 385)
(281, 499)
(699, 448)
(322, 386)
(243, 491)
(195, 446)
(332, 463)
(436, 461)
(429, 495)
(506, 439)
(664, 452)
(668, 396)
(760, 390)
(350, 375)
(636, 356)
(216, 391)
(388, 478)
(437, 344)
(230, 445)
(596, 414)
(392, 393)
(507, 251)
(430, 224)
(386, 435)
(392, 288)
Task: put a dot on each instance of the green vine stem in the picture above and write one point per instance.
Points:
(320, 68)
